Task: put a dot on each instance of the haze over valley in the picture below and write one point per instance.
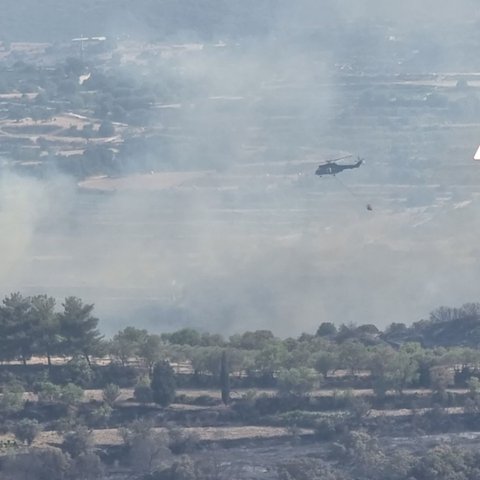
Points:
(239, 240)
(200, 207)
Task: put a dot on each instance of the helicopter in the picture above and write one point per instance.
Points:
(332, 168)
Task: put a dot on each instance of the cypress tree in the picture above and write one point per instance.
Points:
(163, 384)
(225, 379)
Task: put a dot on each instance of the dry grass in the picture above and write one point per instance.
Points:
(127, 393)
(111, 436)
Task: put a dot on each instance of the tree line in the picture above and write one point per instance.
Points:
(32, 326)
(36, 325)
(395, 359)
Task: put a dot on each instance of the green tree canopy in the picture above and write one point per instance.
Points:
(185, 336)
(297, 381)
(151, 350)
(79, 328)
(18, 328)
(126, 344)
(26, 430)
(163, 384)
(326, 329)
(49, 341)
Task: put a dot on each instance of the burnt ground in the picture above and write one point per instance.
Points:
(260, 459)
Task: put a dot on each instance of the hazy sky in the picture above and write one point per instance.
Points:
(268, 252)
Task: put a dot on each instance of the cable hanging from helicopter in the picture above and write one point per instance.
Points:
(330, 167)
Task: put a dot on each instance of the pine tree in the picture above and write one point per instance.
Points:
(79, 328)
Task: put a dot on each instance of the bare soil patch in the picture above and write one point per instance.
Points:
(152, 181)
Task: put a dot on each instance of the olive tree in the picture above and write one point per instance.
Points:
(297, 381)
(26, 430)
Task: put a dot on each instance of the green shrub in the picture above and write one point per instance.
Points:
(26, 430)
(12, 400)
(48, 392)
(143, 394)
(163, 384)
(111, 392)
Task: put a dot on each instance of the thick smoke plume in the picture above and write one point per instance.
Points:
(243, 247)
